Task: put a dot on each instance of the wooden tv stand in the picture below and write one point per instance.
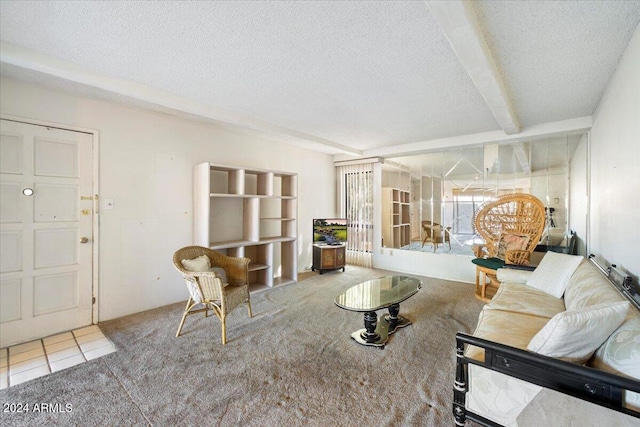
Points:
(328, 257)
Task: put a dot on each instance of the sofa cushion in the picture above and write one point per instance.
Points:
(505, 327)
(525, 300)
(575, 335)
(589, 287)
(550, 408)
(553, 273)
(497, 396)
(513, 275)
(620, 353)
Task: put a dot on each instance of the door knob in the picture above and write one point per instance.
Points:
(84, 240)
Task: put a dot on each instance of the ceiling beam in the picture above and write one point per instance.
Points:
(522, 157)
(458, 21)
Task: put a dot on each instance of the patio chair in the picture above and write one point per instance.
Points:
(215, 281)
(435, 233)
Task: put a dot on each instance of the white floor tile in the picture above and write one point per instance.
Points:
(67, 363)
(24, 362)
(27, 355)
(57, 338)
(29, 375)
(86, 330)
(52, 348)
(94, 336)
(92, 345)
(99, 352)
(63, 354)
(16, 368)
(21, 348)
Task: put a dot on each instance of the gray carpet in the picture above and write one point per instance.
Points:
(292, 364)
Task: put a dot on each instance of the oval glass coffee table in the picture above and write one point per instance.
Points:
(383, 292)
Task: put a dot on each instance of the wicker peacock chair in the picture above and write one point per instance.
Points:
(511, 226)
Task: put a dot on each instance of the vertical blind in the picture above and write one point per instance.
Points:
(356, 187)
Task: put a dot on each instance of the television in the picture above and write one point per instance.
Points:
(330, 231)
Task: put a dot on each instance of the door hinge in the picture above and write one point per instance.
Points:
(93, 300)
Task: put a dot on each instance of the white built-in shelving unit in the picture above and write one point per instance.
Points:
(249, 213)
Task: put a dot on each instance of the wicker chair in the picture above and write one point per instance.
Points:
(516, 217)
(207, 290)
(435, 233)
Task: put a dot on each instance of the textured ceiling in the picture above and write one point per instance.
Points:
(361, 75)
(557, 57)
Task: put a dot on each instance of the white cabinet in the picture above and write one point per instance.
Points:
(251, 213)
(396, 217)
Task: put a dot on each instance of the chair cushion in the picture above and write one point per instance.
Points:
(511, 242)
(201, 263)
(553, 273)
(220, 271)
(575, 335)
(492, 263)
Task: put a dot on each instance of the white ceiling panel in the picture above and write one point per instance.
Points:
(354, 74)
(557, 57)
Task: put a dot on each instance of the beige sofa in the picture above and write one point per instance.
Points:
(500, 381)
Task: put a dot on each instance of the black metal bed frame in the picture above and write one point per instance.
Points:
(596, 386)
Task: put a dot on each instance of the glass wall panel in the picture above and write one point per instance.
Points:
(429, 199)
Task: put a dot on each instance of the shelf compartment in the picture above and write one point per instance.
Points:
(255, 266)
(260, 270)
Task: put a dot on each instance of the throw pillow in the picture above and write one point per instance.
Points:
(575, 335)
(200, 263)
(220, 271)
(511, 242)
(553, 273)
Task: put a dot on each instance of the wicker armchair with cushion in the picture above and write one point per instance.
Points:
(511, 226)
(215, 281)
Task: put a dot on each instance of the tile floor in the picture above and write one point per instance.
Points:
(24, 362)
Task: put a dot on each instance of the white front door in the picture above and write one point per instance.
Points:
(46, 231)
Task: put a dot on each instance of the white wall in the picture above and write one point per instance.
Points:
(146, 161)
(579, 196)
(615, 174)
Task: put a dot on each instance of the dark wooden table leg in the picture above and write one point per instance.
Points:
(392, 318)
(370, 323)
